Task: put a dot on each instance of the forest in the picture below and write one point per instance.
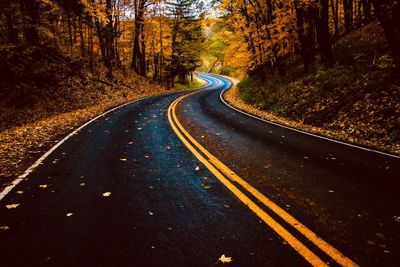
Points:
(150, 37)
(327, 64)
(63, 62)
(276, 31)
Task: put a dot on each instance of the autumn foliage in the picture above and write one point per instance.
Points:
(329, 64)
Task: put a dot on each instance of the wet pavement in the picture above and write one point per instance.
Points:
(125, 191)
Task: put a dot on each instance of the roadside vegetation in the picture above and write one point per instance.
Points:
(187, 85)
(64, 62)
(330, 65)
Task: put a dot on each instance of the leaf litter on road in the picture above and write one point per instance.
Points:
(12, 206)
(106, 194)
(225, 259)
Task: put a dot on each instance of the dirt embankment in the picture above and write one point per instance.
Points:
(356, 101)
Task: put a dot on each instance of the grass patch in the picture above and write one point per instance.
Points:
(181, 86)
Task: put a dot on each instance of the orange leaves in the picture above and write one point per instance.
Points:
(96, 10)
(268, 32)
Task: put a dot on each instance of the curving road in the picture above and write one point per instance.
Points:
(182, 178)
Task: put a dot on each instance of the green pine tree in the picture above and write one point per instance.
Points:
(187, 38)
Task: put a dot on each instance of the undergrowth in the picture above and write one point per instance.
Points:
(359, 95)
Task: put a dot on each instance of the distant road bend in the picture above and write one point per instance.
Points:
(181, 179)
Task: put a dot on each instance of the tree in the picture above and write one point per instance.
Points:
(388, 14)
(139, 41)
(30, 11)
(186, 41)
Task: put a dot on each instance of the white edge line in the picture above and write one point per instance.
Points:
(21, 177)
(300, 131)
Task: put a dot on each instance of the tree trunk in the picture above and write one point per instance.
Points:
(138, 63)
(81, 37)
(348, 14)
(305, 33)
(70, 41)
(323, 36)
(335, 18)
(31, 18)
(11, 20)
(388, 14)
(366, 7)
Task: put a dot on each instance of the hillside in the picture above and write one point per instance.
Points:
(358, 100)
(46, 93)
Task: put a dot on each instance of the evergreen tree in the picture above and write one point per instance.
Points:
(187, 38)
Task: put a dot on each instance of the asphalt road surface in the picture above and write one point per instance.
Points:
(182, 179)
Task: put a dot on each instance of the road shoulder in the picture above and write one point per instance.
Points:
(21, 146)
(231, 96)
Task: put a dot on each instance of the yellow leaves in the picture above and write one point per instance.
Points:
(96, 11)
(106, 194)
(225, 259)
(12, 206)
(207, 187)
(43, 186)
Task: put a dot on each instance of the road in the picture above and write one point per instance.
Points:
(181, 179)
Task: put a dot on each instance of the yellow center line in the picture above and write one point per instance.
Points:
(219, 169)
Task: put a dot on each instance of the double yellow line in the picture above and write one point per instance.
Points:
(229, 178)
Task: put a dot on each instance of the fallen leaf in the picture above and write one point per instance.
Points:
(224, 259)
(123, 159)
(82, 184)
(197, 168)
(12, 206)
(20, 192)
(151, 213)
(106, 194)
(4, 227)
(207, 187)
(43, 186)
(69, 214)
